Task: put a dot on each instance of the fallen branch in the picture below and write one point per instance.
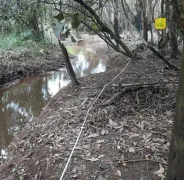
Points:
(142, 160)
(126, 89)
(132, 85)
(123, 91)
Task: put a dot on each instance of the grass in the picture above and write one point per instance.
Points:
(9, 41)
(23, 46)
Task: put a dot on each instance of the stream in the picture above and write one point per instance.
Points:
(24, 101)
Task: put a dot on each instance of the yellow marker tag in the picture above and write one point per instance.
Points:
(160, 23)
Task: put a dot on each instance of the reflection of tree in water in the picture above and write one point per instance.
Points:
(22, 105)
(5, 137)
(25, 101)
(88, 62)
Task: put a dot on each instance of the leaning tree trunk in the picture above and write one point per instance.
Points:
(175, 169)
(105, 29)
(68, 64)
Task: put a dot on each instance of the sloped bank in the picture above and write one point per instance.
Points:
(126, 139)
(14, 66)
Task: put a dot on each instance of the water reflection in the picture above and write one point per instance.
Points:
(25, 100)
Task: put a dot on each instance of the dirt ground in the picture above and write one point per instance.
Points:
(16, 64)
(126, 136)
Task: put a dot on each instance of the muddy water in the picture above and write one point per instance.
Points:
(24, 101)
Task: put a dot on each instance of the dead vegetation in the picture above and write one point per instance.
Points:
(126, 135)
(17, 65)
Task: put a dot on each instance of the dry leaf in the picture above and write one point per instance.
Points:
(131, 150)
(101, 156)
(161, 176)
(160, 171)
(74, 176)
(112, 123)
(92, 159)
(118, 147)
(93, 135)
(169, 113)
(100, 141)
(103, 132)
(87, 146)
(119, 173)
(97, 147)
(122, 158)
(134, 135)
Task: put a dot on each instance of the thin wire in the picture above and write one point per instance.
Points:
(85, 119)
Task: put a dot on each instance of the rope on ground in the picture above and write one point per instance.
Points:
(85, 119)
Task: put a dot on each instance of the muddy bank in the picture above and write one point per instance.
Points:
(127, 138)
(15, 66)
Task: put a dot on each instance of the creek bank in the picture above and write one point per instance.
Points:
(127, 139)
(24, 101)
(15, 67)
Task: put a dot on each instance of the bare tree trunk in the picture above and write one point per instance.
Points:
(106, 29)
(162, 32)
(68, 65)
(175, 169)
(145, 28)
(174, 42)
(116, 17)
(142, 7)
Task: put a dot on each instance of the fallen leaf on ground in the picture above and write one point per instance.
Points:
(160, 172)
(101, 156)
(97, 147)
(131, 150)
(119, 173)
(92, 159)
(100, 141)
(112, 123)
(103, 132)
(93, 135)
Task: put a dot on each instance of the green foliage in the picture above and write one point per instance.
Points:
(27, 35)
(9, 41)
(59, 17)
(21, 45)
(75, 20)
(65, 25)
(22, 15)
(94, 26)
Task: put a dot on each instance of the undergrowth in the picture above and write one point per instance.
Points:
(23, 45)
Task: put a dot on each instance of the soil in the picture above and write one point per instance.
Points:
(16, 65)
(128, 138)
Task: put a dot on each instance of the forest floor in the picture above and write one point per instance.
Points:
(127, 133)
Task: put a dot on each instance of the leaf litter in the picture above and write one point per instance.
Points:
(127, 139)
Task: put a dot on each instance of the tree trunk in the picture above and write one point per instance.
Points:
(174, 42)
(151, 31)
(173, 35)
(162, 32)
(116, 17)
(106, 29)
(175, 169)
(145, 28)
(68, 64)
(142, 8)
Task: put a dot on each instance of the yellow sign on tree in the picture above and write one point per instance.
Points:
(160, 23)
